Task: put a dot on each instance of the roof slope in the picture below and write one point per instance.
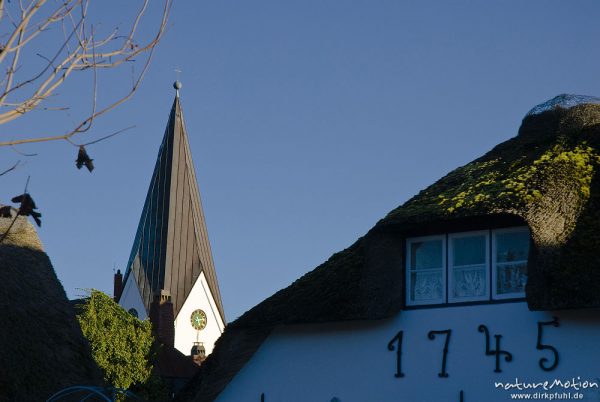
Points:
(42, 348)
(545, 177)
(171, 246)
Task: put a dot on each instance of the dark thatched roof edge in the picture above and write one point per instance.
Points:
(42, 349)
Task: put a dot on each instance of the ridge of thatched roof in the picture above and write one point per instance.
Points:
(42, 348)
(544, 177)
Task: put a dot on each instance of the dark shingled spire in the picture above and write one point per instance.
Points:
(171, 246)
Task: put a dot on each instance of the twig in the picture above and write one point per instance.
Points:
(26, 185)
(5, 234)
(11, 168)
(21, 153)
(101, 139)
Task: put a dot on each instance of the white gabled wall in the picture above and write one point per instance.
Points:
(200, 297)
(131, 298)
(351, 361)
(185, 335)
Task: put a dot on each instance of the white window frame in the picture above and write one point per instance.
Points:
(486, 296)
(409, 242)
(496, 296)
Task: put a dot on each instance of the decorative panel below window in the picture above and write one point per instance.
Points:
(427, 286)
(469, 281)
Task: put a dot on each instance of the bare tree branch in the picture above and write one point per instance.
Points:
(5, 234)
(102, 138)
(10, 169)
(78, 49)
(21, 153)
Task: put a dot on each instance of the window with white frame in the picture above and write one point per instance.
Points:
(467, 267)
(509, 265)
(468, 276)
(426, 269)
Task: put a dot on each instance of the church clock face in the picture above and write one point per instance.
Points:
(198, 319)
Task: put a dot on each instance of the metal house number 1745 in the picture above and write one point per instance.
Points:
(395, 344)
(431, 335)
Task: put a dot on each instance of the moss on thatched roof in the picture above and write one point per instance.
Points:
(544, 177)
(42, 349)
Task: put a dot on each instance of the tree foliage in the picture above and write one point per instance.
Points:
(121, 344)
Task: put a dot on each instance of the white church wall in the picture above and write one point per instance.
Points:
(131, 298)
(352, 361)
(185, 335)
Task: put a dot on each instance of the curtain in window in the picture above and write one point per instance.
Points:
(426, 266)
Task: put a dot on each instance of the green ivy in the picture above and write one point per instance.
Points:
(121, 344)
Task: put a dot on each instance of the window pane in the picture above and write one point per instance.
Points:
(426, 254)
(468, 250)
(426, 286)
(470, 281)
(512, 246)
(511, 277)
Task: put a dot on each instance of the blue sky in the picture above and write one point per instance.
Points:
(308, 122)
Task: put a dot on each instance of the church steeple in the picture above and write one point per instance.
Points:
(171, 248)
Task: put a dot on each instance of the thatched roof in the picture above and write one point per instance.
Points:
(544, 177)
(42, 349)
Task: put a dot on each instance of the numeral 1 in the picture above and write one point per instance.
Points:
(398, 338)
